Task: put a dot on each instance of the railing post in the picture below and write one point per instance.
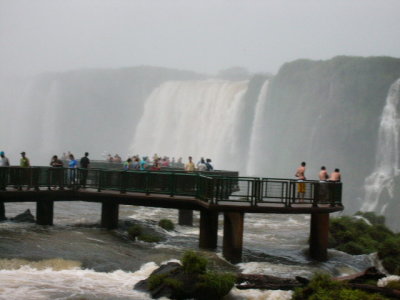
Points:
(123, 178)
(172, 184)
(217, 189)
(292, 193)
(316, 194)
(99, 179)
(147, 179)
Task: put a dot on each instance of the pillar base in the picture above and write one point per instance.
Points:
(233, 236)
(109, 215)
(319, 232)
(208, 229)
(44, 212)
(2, 212)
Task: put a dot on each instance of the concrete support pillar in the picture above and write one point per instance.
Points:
(208, 229)
(185, 217)
(109, 215)
(319, 231)
(233, 236)
(2, 212)
(44, 212)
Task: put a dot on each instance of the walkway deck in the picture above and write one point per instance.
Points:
(209, 192)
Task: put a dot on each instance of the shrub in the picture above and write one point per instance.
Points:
(149, 238)
(134, 231)
(214, 285)
(194, 263)
(393, 285)
(166, 224)
(156, 280)
(321, 287)
(355, 236)
(389, 253)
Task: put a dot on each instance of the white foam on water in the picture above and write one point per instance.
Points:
(275, 269)
(385, 281)
(50, 284)
(258, 295)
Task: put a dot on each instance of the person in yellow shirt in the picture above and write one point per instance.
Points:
(190, 167)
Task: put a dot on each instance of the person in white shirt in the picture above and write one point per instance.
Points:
(4, 162)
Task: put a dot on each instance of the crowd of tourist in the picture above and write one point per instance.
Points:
(157, 162)
(134, 162)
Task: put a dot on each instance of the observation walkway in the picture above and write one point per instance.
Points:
(211, 193)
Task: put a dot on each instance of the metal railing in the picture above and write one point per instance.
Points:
(209, 187)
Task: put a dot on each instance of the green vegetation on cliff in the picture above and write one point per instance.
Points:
(355, 236)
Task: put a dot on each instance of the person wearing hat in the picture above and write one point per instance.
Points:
(25, 176)
(24, 161)
(4, 162)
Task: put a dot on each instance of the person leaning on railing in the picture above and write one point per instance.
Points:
(84, 164)
(4, 162)
(72, 165)
(25, 175)
(56, 175)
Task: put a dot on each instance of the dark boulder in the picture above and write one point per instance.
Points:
(26, 216)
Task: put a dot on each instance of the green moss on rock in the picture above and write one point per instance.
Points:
(322, 287)
(166, 224)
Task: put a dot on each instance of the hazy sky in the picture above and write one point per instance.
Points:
(202, 35)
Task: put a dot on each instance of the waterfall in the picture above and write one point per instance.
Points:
(256, 139)
(196, 118)
(387, 154)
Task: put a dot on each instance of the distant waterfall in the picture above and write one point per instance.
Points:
(196, 118)
(256, 139)
(387, 155)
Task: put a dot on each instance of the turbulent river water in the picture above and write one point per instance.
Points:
(75, 259)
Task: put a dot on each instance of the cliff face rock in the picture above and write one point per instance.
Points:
(328, 113)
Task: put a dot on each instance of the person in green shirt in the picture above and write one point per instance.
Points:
(25, 176)
(24, 161)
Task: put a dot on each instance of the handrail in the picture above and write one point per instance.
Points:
(212, 188)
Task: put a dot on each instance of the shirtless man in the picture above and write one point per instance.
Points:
(335, 176)
(301, 186)
(323, 174)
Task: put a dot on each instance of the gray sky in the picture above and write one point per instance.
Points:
(202, 35)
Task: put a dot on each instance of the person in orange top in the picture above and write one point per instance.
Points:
(301, 186)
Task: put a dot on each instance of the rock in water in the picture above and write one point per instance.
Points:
(162, 291)
(26, 216)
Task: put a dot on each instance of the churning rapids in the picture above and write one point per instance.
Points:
(75, 258)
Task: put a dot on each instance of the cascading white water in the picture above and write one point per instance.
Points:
(256, 139)
(387, 155)
(196, 118)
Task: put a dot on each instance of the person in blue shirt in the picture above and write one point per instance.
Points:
(72, 165)
(143, 163)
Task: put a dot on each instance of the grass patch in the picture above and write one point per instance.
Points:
(322, 287)
(166, 224)
(149, 238)
(194, 263)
